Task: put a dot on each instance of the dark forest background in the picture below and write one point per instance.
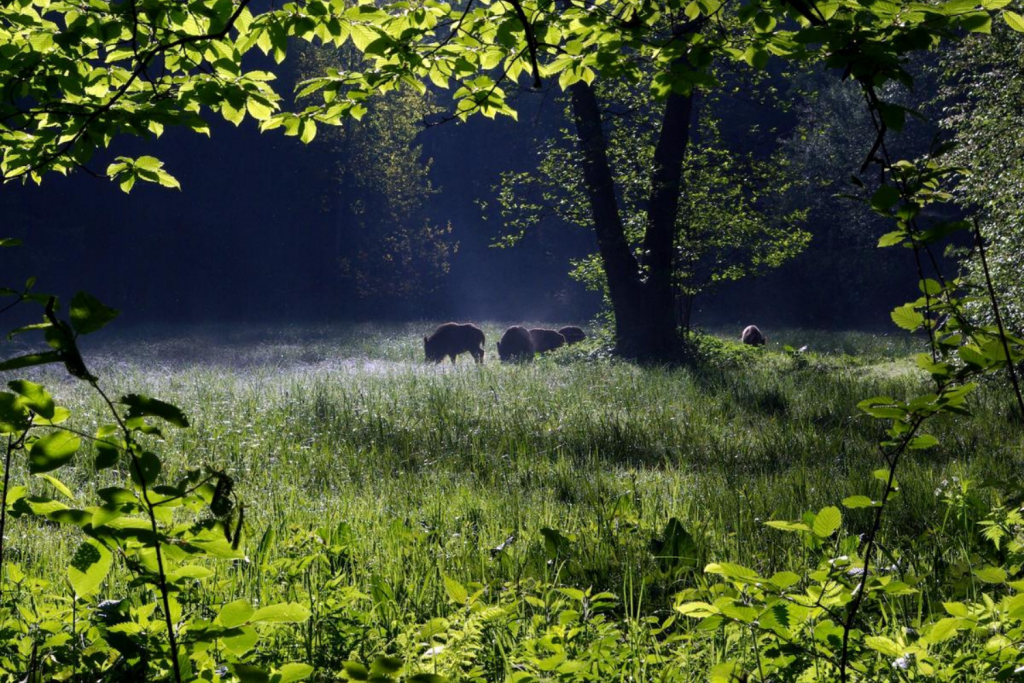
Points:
(245, 240)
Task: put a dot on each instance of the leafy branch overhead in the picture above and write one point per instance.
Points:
(74, 77)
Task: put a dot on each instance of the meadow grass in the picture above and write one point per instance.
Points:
(415, 472)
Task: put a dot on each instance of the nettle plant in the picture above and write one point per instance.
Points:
(853, 611)
(168, 534)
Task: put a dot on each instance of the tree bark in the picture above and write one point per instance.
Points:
(642, 299)
(621, 267)
(662, 211)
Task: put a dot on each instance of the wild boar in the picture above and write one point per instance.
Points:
(753, 336)
(572, 334)
(516, 345)
(546, 340)
(451, 339)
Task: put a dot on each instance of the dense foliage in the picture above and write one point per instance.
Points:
(376, 241)
(734, 220)
(985, 107)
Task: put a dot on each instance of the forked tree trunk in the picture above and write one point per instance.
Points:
(620, 266)
(642, 298)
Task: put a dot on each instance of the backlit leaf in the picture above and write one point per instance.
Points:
(827, 522)
(52, 451)
(282, 613)
(89, 566)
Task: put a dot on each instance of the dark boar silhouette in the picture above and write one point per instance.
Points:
(546, 340)
(451, 339)
(753, 336)
(516, 345)
(572, 334)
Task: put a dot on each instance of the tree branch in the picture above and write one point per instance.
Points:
(139, 70)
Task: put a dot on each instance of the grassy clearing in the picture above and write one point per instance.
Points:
(418, 476)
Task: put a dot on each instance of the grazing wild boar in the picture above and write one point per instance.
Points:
(572, 334)
(753, 336)
(515, 345)
(451, 339)
(546, 340)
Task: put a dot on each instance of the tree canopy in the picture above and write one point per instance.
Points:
(733, 220)
(985, 109)
(74, 76)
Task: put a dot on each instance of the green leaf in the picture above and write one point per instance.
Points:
(105, 514)
(783, 525)
(885, 198)
(308, 131)
(980, 22)
(426, 678)
(89, 315)
(107, 454)
(733, 571)
(58, 484)
(189, 571)
(362, 36)
(385, 666)
(289, 673)
(356, 671)
(555, 542)
(34, 396)
(677, 549)
(70, 516)
(167, 180)
(1014, 20)
(827, 522)
(991, 574)
(148, 163)
(116, 495)
(894, 117)
(235, 613)
(882, 475)
(944, 629)
(60, 415)
(922, 442)
(973, 356)
(145, 468)
(883, 407)
(13, 414)
(31, 359)
(886, 646)
(907, 317)
(142, 406)
(89, 566)
(456, 591)
(258, 109)
(785, 579)
(727, 672)
(282, 613)
(52, 451)
(247, 673)
(240, 640)
(892, 238)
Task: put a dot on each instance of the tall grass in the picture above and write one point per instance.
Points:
(418, 472)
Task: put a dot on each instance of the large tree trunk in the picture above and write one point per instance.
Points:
(642, 300)
(621, 268)
(662, 211)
